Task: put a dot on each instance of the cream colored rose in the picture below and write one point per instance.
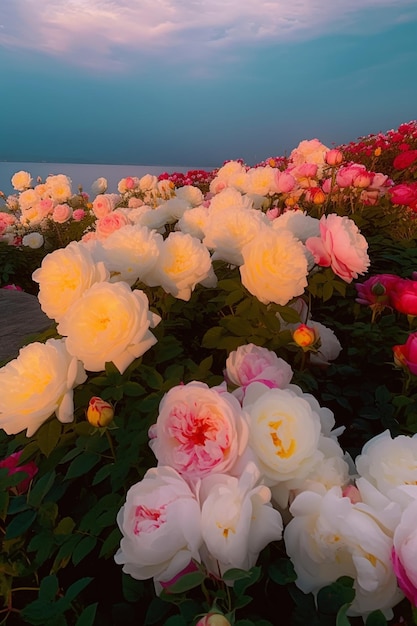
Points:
(183, 262)
(390, 464)
(58, 187)
(64, 275)
(274, 267)
(329, 537)
(131, 252)
(109, 322)
(284, 432)
(190, 194)
(36, 384)
(261, 181)
(21, 180)
(33, 240)
(229, 233)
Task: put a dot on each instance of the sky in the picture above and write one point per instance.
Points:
(198, 82)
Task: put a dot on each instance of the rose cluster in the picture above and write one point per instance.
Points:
(232, 459)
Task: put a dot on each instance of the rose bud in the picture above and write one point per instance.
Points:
(99, 413)
(304, 336)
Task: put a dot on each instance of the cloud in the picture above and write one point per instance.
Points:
(114, 34)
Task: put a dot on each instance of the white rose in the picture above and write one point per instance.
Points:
(329, 537)
(131, 252)
(148, 182)
(299, 223)
(58, 187)
(64, 275)
(237, 519)
(190, 194)
(160, 523)
(229, 233)
(260, 181)
(391, 466)
(36, 384)
(274, 267)
(193, 222)
(109, 322)
(284, 432)
(21, 180)
(227, 199)
(99, 186)
(33, 240)
(183, 262)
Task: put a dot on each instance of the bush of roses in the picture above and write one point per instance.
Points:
(219, 427)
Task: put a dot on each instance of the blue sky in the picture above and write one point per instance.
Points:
(162, 82)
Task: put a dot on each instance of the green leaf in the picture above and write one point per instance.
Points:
(187, 582)
(81, 465)
(133, 389)
(175, 620)
(376, 618)
(48, 588)
(332, 597)
(84, 547)
(87, 617)
(156, 611)
(102, 473)
(133, 590)
(241, 585)
(20, 524)
(41, 488)
(282, 572)
(236, 574)
(48, 436)
(73, 591)
(212, 337)
(65, 526)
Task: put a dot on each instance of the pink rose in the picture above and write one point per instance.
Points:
(346, 175)
(62, 213)
(78, 215)
(406, 354)
(12, 464)
(198, 431)
(405, 194)
(104, 204)
(109, 223)
(340, 246)
(404, 553)
(251, 363)
(284, 182)
(403, 295)
(334, 157)
(12, 287)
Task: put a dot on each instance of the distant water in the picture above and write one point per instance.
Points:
(85, 174)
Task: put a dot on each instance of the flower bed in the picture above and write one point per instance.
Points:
(219, 427)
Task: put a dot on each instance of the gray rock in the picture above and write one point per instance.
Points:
(20, 317)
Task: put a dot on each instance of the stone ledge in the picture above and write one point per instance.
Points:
(20, 317)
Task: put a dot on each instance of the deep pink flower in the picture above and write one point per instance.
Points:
(405, 159)
(404, 296)
(12, 464)
(405, 355)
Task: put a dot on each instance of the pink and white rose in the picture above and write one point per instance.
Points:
(199, 430)
(161, 526)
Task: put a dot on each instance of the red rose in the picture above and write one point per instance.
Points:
(405, 159)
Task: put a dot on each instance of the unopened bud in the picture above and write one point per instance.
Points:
(99, 413)
(304, 336)
(334, 157)
(399, 356)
